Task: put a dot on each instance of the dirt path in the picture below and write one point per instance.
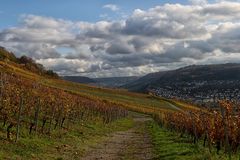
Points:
(133, 144)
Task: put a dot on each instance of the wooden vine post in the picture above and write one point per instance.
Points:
(224, 118)
(19, 118)
(1, 91)
(36, 115)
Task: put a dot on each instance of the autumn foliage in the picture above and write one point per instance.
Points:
(41, 109)
(217, 128)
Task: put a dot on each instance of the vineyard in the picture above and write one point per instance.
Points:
(216, 129)
(32, 107)
(27, 104)
(31, 104)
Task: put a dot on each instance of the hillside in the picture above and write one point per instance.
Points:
(133, 101)
(7, 56)
(79, 79)
(26, 63)
(114, 81)
(219, 72)
(111, 82)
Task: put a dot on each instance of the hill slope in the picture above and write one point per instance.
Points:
(79, 79)
(132, 101)
(187, 74)
(114, 81)
(25, 62)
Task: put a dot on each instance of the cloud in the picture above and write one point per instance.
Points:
(119, 48)
(161, 22)
(160, 38)
(112, 7)
(198, 2)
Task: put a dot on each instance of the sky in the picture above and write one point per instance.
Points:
(109, 38)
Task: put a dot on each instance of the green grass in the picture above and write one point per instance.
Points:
(62, 144)
(141, 101)
(170, 146)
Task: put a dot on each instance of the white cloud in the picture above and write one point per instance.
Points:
(198, 2)
(162, 37)
(112, 7)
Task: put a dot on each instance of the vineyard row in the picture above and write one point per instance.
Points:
(217, 128)
(40, 109)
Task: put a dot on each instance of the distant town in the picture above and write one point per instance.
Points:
(201, 92)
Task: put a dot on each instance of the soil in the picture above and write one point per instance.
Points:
(133, 144)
